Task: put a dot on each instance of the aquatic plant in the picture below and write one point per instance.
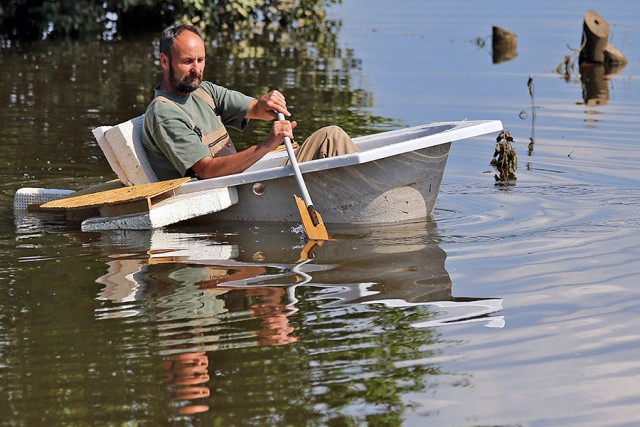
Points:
(504, 158)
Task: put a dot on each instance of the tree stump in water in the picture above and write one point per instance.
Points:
(595, 37)
(613, 56)
(595, 42)
(503, 44)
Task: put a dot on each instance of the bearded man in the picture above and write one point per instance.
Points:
(185, 125)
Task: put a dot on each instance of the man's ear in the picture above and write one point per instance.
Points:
(164, 61)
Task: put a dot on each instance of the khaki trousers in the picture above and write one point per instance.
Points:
(326, 142)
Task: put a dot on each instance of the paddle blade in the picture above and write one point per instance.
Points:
(309, 250)
(313, 231)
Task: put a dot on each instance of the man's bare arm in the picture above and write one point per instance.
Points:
(212, 167)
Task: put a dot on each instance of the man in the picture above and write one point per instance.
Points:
(184, 127)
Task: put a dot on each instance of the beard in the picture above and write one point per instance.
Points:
(188, 84)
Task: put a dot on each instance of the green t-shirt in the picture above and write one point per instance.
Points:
(169, 140)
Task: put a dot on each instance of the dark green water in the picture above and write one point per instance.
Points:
(515, 305)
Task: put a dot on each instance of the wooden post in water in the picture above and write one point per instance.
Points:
(595, 41)
(597, 59)
(595, 37)
(503, 44)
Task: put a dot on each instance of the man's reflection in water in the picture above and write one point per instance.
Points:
(187, 376)
(264, 303)
(274, 316)
(204, 294)
(189, 322)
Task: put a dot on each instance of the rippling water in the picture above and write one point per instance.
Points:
(516, 304)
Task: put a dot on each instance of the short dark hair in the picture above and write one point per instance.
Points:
(170, 34)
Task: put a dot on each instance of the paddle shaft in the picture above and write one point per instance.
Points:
(298, 174)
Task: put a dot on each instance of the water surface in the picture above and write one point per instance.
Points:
(514, 305)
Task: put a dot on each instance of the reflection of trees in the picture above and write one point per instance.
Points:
(55, 366)
(339, 364)
(163, 324)
(344, 349)
(353, 362)
(57, 91)
(36, 19)
(318, 78)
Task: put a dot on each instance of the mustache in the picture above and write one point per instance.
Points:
(192, 76)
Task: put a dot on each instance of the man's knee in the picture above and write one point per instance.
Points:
(333, 131)
(326, 142)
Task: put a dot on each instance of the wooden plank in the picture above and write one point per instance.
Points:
(136, 206)
(125, 208)
(103, 186)
(116, 196)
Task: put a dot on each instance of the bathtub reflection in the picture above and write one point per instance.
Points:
(204, 291)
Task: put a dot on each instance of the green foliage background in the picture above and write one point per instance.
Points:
(27, 20)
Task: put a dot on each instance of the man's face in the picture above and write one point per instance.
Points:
(186, 63)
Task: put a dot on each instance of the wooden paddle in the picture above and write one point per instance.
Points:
(311, 219)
